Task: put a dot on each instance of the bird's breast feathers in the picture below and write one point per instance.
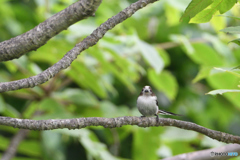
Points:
(147, 101)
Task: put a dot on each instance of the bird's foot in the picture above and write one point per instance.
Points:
(157, 117)
(143, 116)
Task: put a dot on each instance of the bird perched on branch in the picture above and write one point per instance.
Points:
(147, 104)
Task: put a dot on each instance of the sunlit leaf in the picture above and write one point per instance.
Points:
(194, 7)
(221, 91)
(205, 55)
(232, 17)
(226, 5)
(151, 55)
(224, 80)
(232, 30)
(164, 82)
(203, 73)
(237, 41)
(218, 5)
(228, 71)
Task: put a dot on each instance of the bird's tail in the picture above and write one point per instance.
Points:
(167, 113)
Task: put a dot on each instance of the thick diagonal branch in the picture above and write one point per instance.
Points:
(78, 123)
(38, 36)
(70, 56)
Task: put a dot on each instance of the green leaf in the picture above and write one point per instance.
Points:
(236, 41)
(164, 82)
(226, 5)
(219, 104)
(119, 65)
(165, 56)
(204, 55)
(83, 77)
(203, 73)
(10, 111)
(50, 105)
(218, 5)
(223, 80)
(232, 17)
(204, 16)
(94, 148)
(11, 66)
(53, 110)
(77, 96)
(2, 104)
(194, 7)
(232, 30)
(151, 56)
(146, 143)
(221, 91)
(110, 110)
(23, 158)
(52, 145)
(228, 71)
(182, 39)
(31, 109)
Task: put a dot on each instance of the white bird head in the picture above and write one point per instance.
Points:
(147, 91)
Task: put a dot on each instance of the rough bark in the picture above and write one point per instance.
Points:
(38, 36)
(70, 56)
(79, 123)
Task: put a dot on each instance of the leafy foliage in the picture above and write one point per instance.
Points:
(150, 48)
(201, 11)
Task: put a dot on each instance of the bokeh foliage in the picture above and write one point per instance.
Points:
(151, 48)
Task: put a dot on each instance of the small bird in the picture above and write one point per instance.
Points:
(147, 104)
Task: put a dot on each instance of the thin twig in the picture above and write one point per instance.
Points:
(218, 153)
(12, 148)
(168, 45)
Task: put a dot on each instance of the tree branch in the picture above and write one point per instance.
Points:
(208, 153)
(72, 54)
(168, 45)
(38, 36)
(78, 123)
(12, 148)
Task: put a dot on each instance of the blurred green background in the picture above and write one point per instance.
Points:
(150, 48)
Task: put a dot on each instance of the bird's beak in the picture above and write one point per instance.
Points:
(146, 91)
